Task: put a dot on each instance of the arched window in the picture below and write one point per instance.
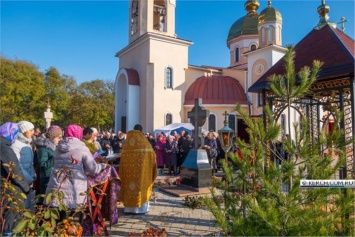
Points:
(159, 21)
(262, 34)
(253, 47)
(279, 33)
(236, 55)
(271, 33)
(169, 77)
(231, 121)
(212, 122)
(168, 119)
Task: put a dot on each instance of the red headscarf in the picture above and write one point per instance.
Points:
(74, 130)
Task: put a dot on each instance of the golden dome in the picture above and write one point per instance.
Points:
(246, 25)
(251, 6)
(270, 14)
(323, 10)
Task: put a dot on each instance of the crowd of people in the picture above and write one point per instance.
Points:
(37, 157)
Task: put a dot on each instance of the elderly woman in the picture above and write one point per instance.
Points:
(8, 134)
(74, 155)
(211, 149)
(159, 149)
(23, 150)
(170, 156)
(45, 154)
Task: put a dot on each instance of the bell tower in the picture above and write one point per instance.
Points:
(156, 16)
(151, 76)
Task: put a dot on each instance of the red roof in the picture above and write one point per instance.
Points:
(216, 90)
(331, 46)
(133, 77)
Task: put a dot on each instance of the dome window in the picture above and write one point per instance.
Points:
(236, 55)
(271, 33)
(253, 47)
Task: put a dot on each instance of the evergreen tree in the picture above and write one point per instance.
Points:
(255, 203)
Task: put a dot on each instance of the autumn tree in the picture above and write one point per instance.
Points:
(21, 91)
(93, 104)
(25, 92)
(57, 93)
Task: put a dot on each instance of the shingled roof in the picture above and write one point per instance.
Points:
(216, 90)
(331, 46)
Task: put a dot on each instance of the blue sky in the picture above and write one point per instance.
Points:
(80, 38)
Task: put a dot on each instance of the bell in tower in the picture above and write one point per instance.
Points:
(159, 15)
(156, 16)
(134, 17)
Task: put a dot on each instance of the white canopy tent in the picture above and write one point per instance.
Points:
(169, 129)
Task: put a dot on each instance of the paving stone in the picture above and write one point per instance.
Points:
(167, 212)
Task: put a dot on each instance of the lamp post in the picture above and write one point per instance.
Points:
(226, 134)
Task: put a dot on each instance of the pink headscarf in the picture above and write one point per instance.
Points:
(74, 130)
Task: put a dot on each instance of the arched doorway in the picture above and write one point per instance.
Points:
(127, 106)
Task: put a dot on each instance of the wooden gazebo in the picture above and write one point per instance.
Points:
(333, 89)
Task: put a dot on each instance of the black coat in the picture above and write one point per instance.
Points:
(7, 155)
(117, 144)
(103, 143)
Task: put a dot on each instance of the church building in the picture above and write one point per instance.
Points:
(155, 85)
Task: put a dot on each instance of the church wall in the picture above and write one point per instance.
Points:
(243, 44)
(136, 58)
(239, 75)
(167, 100)
(276, 56)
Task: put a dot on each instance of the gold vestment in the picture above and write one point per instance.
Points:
(138, 170)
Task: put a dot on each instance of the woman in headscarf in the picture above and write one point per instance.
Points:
(170, 156)
(73, 154)
(8, 134)
(159, 149)
(45, 154)
(23, 150)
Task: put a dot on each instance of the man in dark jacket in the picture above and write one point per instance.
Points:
(8, 134)
(106, 144)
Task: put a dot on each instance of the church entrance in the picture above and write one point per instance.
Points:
(127, 96)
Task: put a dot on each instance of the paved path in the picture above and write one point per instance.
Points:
(167, 212)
